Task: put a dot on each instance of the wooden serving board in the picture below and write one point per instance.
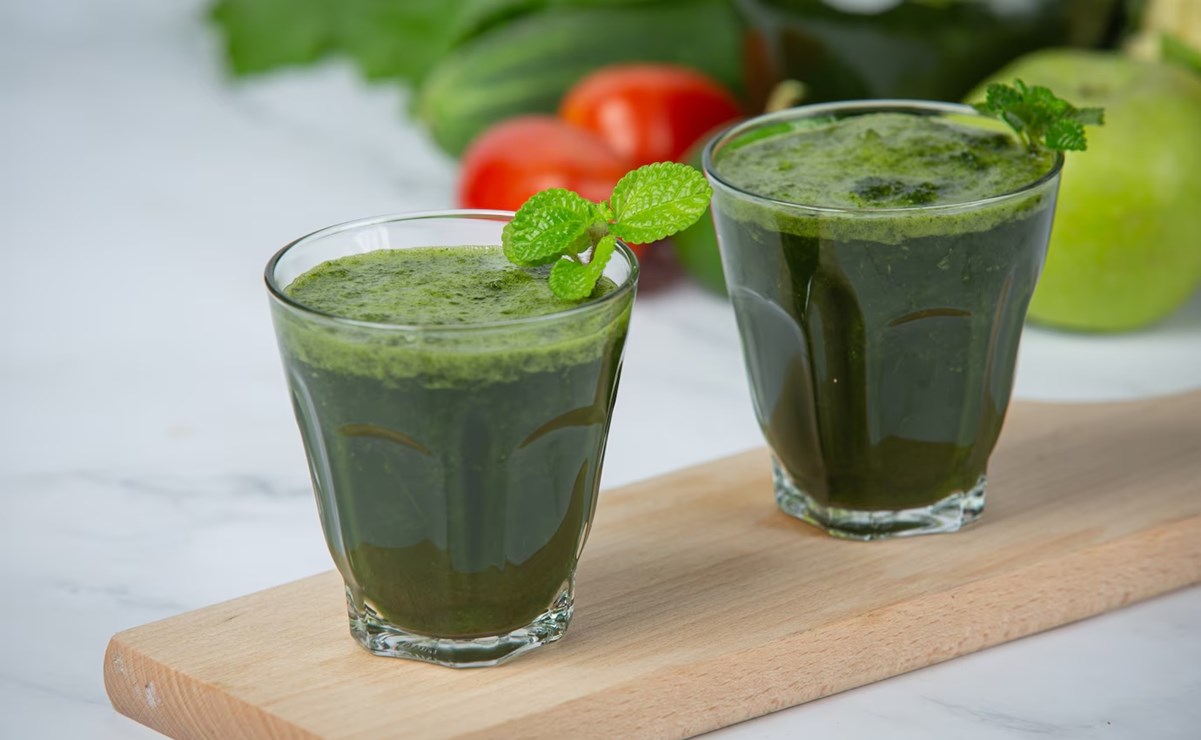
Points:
(699, 604)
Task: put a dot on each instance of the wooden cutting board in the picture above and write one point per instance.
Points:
(700, 605)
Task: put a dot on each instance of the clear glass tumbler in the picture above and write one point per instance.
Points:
(880, 343)
(455, 466)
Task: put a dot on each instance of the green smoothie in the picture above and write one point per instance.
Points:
(456, 426)
(884, 160)
(880, 288)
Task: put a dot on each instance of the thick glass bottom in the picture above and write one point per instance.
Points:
(381, 637)
(949, 514)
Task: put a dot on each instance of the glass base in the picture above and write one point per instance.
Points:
(947, 515)
(383, 638)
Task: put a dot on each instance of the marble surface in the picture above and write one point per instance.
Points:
(148, 459)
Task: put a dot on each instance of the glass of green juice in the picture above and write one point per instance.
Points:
(454, 414)
(880, 257)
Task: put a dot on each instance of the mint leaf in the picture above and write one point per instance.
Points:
(550, 224)
(998, 98)
(1045, 103)
(572, 281)
(1039, 117)
(658, 200)
(1065, 135)
(601, 253)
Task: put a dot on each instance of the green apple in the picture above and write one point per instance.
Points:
(1126, 245)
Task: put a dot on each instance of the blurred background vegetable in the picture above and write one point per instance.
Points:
(520, 156)
(922, 49)
(398, 40)
(1126, 245)
(528, 64)
(571, 93)
(1168, 30)
(477, 62)
(649, 112)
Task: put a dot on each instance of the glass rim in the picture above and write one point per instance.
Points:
(277, 292)
(862, 106)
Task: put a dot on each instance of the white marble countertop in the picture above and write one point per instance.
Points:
(149, 462)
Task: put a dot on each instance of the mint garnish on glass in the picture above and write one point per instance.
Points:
(1042, 120)
(557, 226)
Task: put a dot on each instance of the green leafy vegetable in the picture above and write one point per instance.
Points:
(557, 225)
(264, 34)
(386, 38)
(472, 63)
(481, 16)
(1040, 118)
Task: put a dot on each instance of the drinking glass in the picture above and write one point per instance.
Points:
(880, 343)
(455, 466)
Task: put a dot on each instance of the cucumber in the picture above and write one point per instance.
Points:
(527, 64)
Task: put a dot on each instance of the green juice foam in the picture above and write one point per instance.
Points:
(886, 176)
(447, 292)
(429, 286)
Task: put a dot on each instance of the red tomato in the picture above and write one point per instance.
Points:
(521, 156)
(648, 112)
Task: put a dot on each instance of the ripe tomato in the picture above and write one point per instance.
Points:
(648, 112)
(521, 156)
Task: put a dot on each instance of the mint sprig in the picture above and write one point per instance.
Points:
(556, 226)
(1039, 117)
